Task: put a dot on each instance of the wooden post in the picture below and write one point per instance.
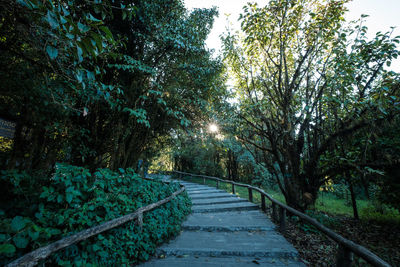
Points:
(282, 219)
(263, 207)
(344, 257)
(274, 212)
(140, 221)
(233, 189)
(204, 180)
(217, 184)
(250, 194)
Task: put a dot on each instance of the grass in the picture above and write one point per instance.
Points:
(329, 203)
(367, 209)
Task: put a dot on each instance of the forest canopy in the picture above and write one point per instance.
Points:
(315, 102)
(94, 83)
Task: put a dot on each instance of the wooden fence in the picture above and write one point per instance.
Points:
(346, 247)
(33, 257)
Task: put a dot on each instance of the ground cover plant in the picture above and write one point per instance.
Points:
(37, 210)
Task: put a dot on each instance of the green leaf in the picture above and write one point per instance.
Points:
(107, 32)
(3, 238)
(121, 170)
(54, 231)
(90, 75)
(69, 198)
(98, 39)
(63, 20)
(7, 249)
(79, 76)
(20, 241)
(90, 17)
(83, 28)
(52, 51)
(96, 247)
(52, 19)
(79, 53)
(18, 223)
(33, 235)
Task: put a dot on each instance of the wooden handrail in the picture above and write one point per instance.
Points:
(32, 258)
(344, 243)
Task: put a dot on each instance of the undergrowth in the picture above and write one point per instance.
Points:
(37, 210)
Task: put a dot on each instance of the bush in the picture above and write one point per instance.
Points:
(37, 211)
(321, 218)
(381, 213)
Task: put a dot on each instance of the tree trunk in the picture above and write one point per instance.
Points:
(353, 196)
(300, 195)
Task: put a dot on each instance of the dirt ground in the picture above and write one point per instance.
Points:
(316, 249)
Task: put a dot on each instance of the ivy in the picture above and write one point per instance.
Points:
(74, 199)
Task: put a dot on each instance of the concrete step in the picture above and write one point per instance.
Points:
(189, 184)
(267, 244)
(197, 186)
(201, 189)
(222, 200)
(225, 207)
(229, 221)
(196, 261)
(225, 230)
(202, 192)
(212, 195)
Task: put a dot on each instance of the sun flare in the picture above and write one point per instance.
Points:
(213, 128)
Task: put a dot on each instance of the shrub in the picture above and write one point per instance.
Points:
(74, 199)
(381, 213)
(321, 218)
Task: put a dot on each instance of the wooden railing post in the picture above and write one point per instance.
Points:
(250, 194)
(217, 184)
(233, 189)
(263, 207)
(344, 257)
(274, 212)
(282, 219)
(140, 221)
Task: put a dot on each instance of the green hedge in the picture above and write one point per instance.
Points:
(36, 211)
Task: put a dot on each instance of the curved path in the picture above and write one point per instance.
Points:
(225, 230)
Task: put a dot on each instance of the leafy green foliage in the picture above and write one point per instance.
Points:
(308, 85)
(74, 199)
(94, 77)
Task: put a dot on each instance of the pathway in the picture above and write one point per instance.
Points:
(225, 230)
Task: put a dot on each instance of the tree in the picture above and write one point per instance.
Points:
(94, 83)
(305, 82)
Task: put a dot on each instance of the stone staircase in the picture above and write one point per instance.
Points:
(225, 230)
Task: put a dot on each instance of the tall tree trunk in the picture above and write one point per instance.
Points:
(353, 196)
(365, 186)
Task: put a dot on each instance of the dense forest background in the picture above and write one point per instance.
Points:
(313, 110)
(314, 106)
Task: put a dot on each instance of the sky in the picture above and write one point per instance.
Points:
(382, 15)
